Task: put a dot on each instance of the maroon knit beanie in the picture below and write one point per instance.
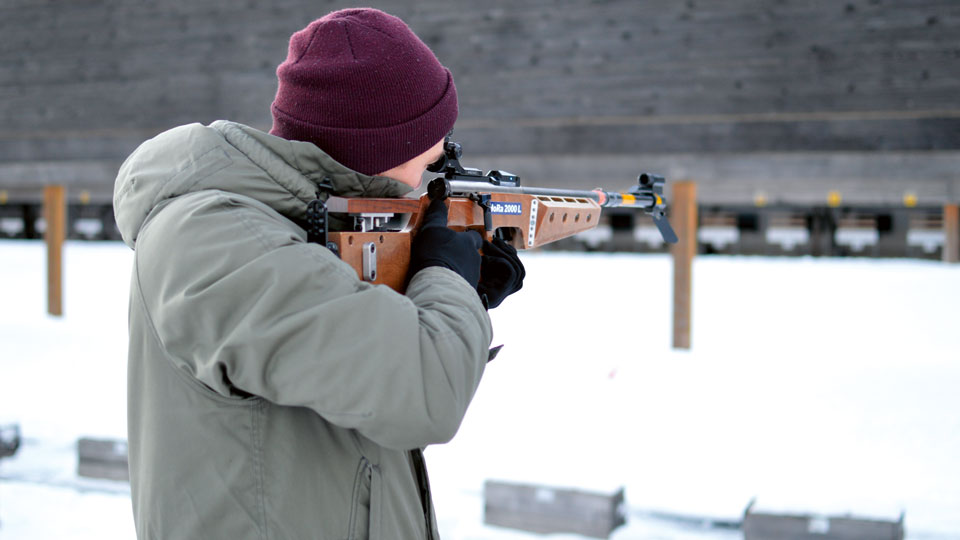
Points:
(360, 85)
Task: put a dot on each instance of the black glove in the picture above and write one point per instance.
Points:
(501, 272)
(436, 245)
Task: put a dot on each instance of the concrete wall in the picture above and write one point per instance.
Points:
(791, 98)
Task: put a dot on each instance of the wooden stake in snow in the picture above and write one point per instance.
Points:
(683, 215)
(55, 215)
(951, 233)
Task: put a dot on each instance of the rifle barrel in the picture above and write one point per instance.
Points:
(603, 198)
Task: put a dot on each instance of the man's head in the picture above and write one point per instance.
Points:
(411, 172)
(360, 85)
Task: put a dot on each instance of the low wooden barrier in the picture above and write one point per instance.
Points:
(102, 458)
(767, 525)
(546, 510)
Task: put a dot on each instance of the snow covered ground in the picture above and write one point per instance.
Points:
(815, 386)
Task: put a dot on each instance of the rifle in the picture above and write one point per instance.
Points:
(493, 204)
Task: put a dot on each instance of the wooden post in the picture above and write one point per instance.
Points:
(55, 215)
(951, 233)
(683, 216)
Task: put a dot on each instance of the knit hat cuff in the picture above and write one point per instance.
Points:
(374, 150)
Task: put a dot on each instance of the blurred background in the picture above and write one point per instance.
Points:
(788, 115)
(824, 141)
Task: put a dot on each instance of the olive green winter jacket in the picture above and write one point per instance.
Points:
(272, 394)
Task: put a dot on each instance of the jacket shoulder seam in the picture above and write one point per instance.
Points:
(224, 201)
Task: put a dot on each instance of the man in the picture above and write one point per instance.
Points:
(272, 394)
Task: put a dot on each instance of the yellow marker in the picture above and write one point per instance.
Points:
(659, 200)
(834, 199)
(760, 199)
(909, 199)
(84, 197)
(3, 196)
(628, 198)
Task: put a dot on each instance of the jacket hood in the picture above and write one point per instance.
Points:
(236, 158)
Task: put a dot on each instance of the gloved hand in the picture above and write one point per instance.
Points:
(436, 245)
(501, 272)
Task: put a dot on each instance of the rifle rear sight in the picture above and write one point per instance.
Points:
(449, 165)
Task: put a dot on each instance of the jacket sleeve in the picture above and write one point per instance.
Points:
(242, 303)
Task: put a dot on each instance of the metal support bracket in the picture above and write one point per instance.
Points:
(369, 255)
(367, 222)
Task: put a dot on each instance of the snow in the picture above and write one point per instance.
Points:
(816, 386)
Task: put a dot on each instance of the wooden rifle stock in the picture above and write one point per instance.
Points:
(525, 217)
(493, 204)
